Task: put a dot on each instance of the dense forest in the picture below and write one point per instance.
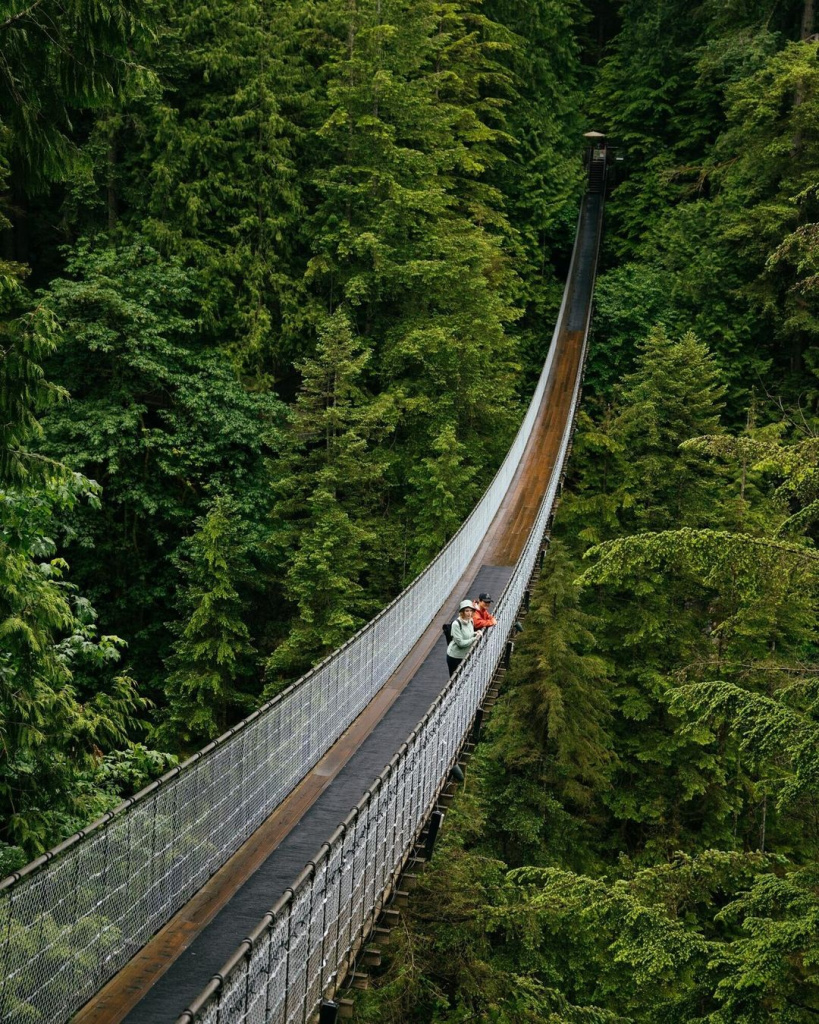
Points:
(636, 839)
(275, 282)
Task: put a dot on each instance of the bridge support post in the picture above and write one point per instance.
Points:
(507, 654)
(328, 1012)
(435, 820)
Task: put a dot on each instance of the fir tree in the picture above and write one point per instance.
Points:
(225, 180)
(212, 656)
(443, 492)
(324, 518)
(674, 394)
(551, 746)
(406, 230)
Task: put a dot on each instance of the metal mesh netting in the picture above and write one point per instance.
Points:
(369, 851)
(368, 854)
(75, 917)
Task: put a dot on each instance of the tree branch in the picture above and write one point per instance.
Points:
(22, 14)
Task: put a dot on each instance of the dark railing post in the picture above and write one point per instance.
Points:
(289, 958)
(269, 971)
(328, 1014)
(309, 930)
(435, 820)
(247, 980)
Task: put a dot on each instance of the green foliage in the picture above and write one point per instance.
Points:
(159, 418)
(61, 56)
(792, 466)
(213, 651)
(325, 517)
(633, 474)
(27, 336)
(443, 492)
(406, 228)
(60, 704)
(551, 753)
(675, 393)
(777, 733)
(712, 112)
(770, 971)
(221, 149)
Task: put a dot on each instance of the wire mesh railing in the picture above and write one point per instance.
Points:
(73, 917)
(300, 949)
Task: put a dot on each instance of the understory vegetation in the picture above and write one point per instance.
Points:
(275, 282)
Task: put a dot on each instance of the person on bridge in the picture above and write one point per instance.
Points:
(482, 617)
(463, 636)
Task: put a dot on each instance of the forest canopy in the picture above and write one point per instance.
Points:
(275, 282)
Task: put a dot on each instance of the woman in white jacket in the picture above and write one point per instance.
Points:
(464, 636)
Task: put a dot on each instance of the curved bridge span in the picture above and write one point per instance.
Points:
(161, 904)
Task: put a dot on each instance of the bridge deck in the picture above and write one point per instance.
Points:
(178, 962)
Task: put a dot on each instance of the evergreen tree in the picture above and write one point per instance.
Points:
(212, 654)
(406, 230)
(443, 493)
(59, 58)
(674, 394)
(629, 470)
(550, 755)
(325, 516)
(222, 148)
(28, 335)
(539, 175)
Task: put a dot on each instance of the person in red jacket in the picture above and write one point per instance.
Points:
(481, 617)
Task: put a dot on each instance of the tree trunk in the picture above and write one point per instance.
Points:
(112, 204)
(805, 33)
(21, 229)
(807, 20)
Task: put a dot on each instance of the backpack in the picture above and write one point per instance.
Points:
(447, 631)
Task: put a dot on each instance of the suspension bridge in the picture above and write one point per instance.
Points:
(240, 886)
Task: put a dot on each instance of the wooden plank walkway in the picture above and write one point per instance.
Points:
(157, 984)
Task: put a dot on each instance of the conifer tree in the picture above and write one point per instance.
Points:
(59, 58)
(324, 516)
(212, 657)
(539, 174)
(551, 748)
(225, 182)
(674, 394)
(405, 229)
(443, 493)
(28, 335)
